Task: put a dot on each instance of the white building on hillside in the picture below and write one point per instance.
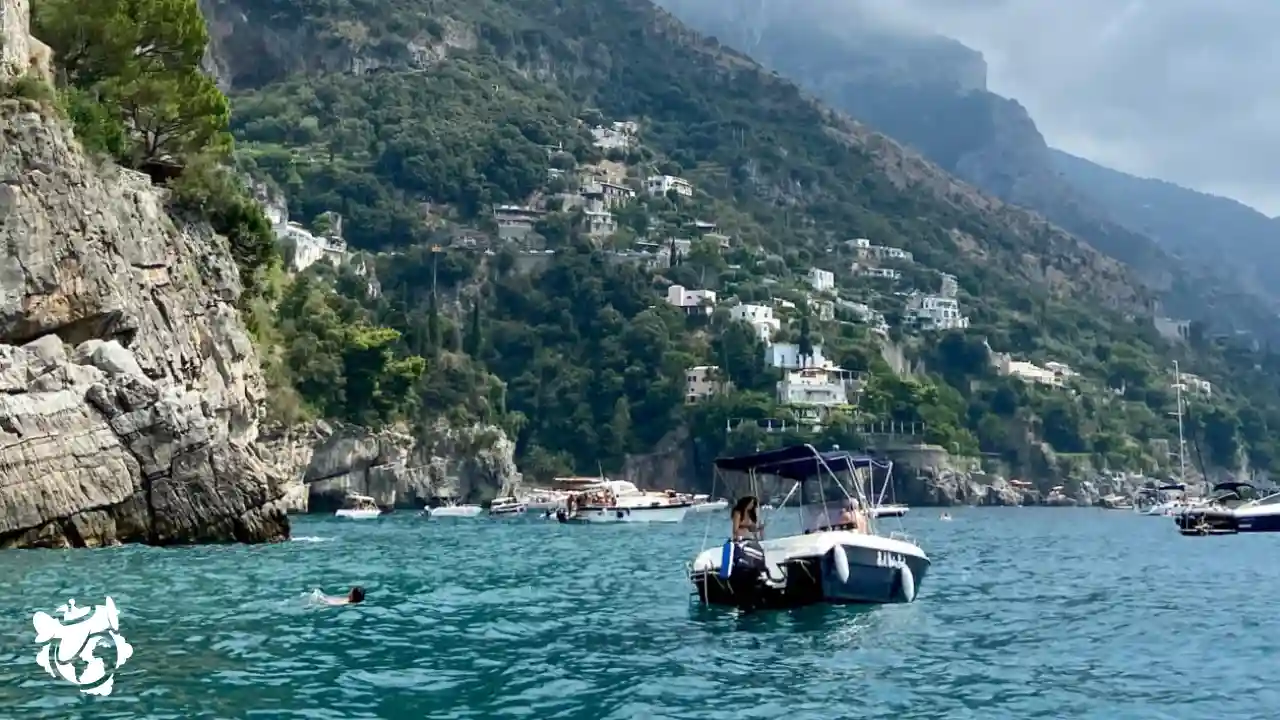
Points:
(878, 272)
(600, 223)
(1195, 384)
(309, 249)
(702, 382)
(812, 386)
(760, 317)
(821, 280)
(691, 301)
(1054, 374)
(620, 136)
(934, 312)
(661, 184)
(786, 356)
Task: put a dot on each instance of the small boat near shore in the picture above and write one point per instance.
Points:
(507, 507)
(1161, 501)
(452, 509)
(707, 505)
(891, 510)
(626, 504)
(359, 507)
(827, 564)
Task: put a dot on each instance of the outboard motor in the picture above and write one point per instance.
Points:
(561, 515)
(744, 568)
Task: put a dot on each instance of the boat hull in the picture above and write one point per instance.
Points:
(1217, 521)
(710, 506)
(889, 511)
(610, 515)
(508, 510)
(358, 514)
(804, 571)
(469, 511)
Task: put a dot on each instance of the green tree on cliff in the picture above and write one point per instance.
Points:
(134, 90)
(139, 60)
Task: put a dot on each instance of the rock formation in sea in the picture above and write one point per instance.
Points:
(130, 391)
(326, 461)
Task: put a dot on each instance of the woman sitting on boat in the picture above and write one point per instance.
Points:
(852, 517)
(745, 519)
(849, 517)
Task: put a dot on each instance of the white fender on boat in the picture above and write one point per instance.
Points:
(840, 561)
(907, 583)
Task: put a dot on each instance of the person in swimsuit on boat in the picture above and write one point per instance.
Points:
(355, 597)
(745, 518)
(852, 517)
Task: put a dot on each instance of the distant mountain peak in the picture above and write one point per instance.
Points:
(883, 49)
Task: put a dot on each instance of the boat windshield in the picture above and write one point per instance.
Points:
(812, 470)
(1273, 499)
(359, 502)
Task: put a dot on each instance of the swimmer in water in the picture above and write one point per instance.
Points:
(355, 597)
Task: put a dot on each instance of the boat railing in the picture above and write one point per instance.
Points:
(902, 536)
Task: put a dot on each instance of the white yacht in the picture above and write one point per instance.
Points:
(628, 504)
(453, 509)
(1233, 507)
(359, 507)
(704, 503)
(831, 562)
(1161, 501)
(544, 500)
(506, 507)
(890, 510)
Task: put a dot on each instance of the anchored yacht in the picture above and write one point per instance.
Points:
(627, 504)
(358, 507)
(1234, 507)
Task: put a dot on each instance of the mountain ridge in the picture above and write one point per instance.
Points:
(987, 139)
(425, 124)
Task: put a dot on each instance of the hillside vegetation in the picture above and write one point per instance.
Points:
(413, 120)
(1207, 261)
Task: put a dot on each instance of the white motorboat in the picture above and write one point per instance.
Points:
(828, 563)
(710, 505)
(1162, 501)
(879, 508)
(1234, 507)
(629, 504)
(544, 500)
(359, 507)
(507, 506)
(452, 509)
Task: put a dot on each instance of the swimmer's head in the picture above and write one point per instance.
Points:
(356, 595)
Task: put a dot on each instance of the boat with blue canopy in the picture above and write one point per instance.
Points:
(834, 559)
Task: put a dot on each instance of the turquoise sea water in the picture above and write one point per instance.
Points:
(1026, 613)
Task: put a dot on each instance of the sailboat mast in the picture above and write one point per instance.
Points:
(1182, 445)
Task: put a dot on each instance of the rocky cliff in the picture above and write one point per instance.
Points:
(327, 461)
(130, 391)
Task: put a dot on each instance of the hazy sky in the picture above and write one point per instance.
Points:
(1183, 90)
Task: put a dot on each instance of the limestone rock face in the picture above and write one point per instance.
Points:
(398, 469)
(130, 392)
